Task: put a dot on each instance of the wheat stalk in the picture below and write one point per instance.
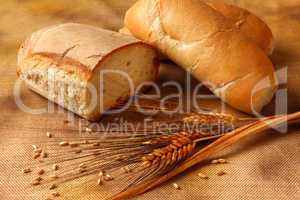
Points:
(148, 157)
(223, 142)
(180, 146)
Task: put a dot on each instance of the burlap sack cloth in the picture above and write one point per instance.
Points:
(262, 167)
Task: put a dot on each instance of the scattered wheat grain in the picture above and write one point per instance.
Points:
(38, 179)
(176, 186)
(99, 181)
(55, 194)
(63, 144)
(203, 176)
(54, 176)
(55, 167)
(82, 165)
(41, 172)
(36, 156)
(214, 162)
(49, 135)
(26, 171)
(35, 182)
(221, 173)
(222, 161)
(44, 154)
(34, 147)
(52, 187)
(88, 129)
(126, 169)
(108, 177)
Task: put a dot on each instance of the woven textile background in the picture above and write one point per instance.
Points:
(266, 166)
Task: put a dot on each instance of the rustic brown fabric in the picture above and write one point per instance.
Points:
(262, 167)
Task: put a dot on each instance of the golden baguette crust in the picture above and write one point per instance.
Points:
(206, 43)
(251, 25)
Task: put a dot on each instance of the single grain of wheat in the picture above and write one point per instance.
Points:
(63, 144)
(34, 147)
(38, 179)
(221, 173)
(108, 177)
(222, 161)
(203, 176)
(49, 135)
(127, 169)
(55, 167)
(88, 129)
(41, 172)
(26, 171)
(176, 186)
(99, 181)
(55, 194)
(44, 154)
(101, 174)
(36, 156)
(52, 187)
(214, 162)
(82, 165)
(35, 182)
(54, 176)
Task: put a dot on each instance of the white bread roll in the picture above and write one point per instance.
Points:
(251, 25)
(207, 44)
(63, 63)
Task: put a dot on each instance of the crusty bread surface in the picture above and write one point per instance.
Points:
(85, 69)
(252, 26)
(209, 45)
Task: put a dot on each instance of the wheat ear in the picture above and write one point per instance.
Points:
(180, 146)
(173, 150)
(223, 142)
